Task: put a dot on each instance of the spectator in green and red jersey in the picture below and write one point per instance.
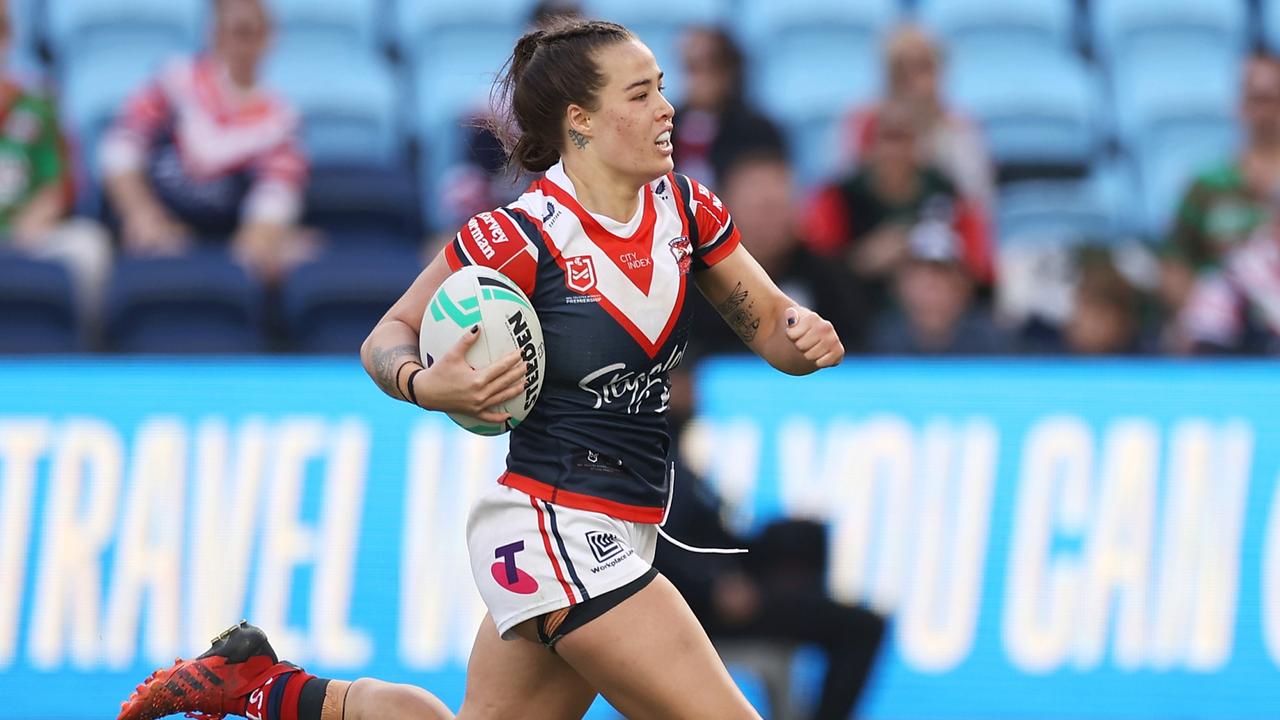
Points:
(1225, 204)
(36, 190)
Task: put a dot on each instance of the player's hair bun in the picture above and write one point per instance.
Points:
(549, 69)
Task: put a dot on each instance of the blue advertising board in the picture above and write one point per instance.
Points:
(1050, 540)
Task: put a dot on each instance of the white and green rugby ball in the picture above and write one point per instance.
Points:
(476, 295)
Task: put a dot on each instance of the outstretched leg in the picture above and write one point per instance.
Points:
(241, 675)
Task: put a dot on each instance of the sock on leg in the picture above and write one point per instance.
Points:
(292, 696)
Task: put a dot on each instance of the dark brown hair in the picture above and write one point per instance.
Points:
(551, 68)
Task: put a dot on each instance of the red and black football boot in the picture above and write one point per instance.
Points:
(212, 686)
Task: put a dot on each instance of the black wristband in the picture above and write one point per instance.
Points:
(413, 397)
(397, 382)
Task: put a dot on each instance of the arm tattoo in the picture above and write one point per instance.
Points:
(740, 313)
(578, 139)
(386, 361)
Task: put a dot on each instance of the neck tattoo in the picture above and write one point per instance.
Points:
(578, 139)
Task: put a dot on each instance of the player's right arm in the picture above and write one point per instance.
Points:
(391, 356)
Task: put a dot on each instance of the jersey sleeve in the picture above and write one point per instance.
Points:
(714, 234)
(124, 146)
(279, 184)
(492, 239)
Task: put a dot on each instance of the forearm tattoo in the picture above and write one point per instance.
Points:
(739, 311)
(578, 139)
(386, 361)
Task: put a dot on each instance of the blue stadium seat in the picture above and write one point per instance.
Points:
(454, 68)
(327, 23)
(1152, 92)
(25, 17)
(1036, 109)
(660, 24)
(431, 29)
(76, 27)
(455, 60)
(1180, 148)
(1175, 116)
(1055, 212)
(976, 25)
(37, 313)
(359, 205)
(1270, 13)
(765, 20)
(1124, 29)
(812, 59)
(97, 83)
(812, 140)
(348, 100)
(331, 305)
(199, 303)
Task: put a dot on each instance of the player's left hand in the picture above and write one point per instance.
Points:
(814, 337)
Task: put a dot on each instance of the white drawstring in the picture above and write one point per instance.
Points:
(671, 491)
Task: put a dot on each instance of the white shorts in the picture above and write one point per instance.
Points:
(530, 557)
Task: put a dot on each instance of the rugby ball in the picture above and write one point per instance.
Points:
(476, 295)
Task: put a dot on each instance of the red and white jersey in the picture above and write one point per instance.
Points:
(218, 130)
(1243, 295)
(611, 300)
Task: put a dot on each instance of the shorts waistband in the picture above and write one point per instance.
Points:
(579, 501)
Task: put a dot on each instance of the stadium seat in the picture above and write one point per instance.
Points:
(1153, 95)
(1055, 212)
(1124, 29)
(455, 76)
(1038, 110)
(765, 20)
(1180, 148)
(1175, 116)
(348, 101)
(453, 83)
(37, 314)
(25, 18)
(1270, 16)
(428, 28)
(331, 305)
(810, 60)
(199, 303)
(77, 27)
(359, 204)
(966, 26)
(97, 84)
(660, 24)
(327, 23)
(811, 137)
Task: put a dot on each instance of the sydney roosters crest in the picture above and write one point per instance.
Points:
(579, 273)
(683, 253)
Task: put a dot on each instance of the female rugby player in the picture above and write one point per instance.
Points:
(605, 244)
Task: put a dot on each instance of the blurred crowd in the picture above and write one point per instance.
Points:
(899, 246)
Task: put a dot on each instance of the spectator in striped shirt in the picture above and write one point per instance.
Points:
(204, 153)
(1236, 308)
